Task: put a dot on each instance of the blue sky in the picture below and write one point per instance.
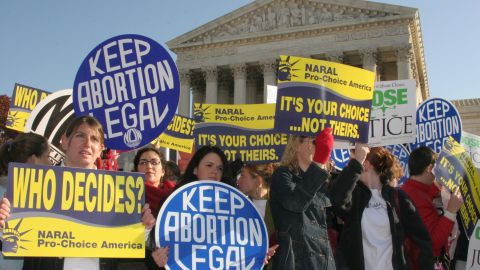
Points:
(42, 43)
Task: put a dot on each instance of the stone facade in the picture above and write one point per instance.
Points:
(469, 110)
(232, 58)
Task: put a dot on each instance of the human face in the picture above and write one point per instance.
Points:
(153, 173)
(306, 148)
(247, 183)
(210, 167)
(83, 147)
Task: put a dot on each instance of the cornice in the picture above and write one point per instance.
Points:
(417, 42)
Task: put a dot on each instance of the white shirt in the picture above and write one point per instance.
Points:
(261, 205)
(376, 234)
(81, 264)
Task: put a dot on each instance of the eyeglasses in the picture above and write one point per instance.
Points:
(153, 162)
(306, 139)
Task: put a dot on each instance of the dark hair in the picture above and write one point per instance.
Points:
(189, 176)
(21, 148)
(385, 164)
(172, 172)
(419, 160)
(263, 170)
(140, 152)
(90, 121)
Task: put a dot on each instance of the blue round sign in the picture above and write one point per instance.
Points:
(402, 154)
(131, 85)
(211, 225)
(341, 157)
(437, 119)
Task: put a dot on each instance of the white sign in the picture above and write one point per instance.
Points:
(471, 143)
(473, 258)
(392, 119)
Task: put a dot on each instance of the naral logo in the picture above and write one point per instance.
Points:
(11, 237)
(200, 113)
(285, 68)
(50, 118)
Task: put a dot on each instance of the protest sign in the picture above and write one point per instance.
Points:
(178, 135)
(50, 118)
(240, 130)
(437, 119)
(211, 225)
(473, 257)
(454, 168)
(271, 93)
(24, 100)
(314, 94)
(71, 212)
(256, 116)
(471, 143)
(341, 157)
(402, 154)
(131, 85)
(392, 120)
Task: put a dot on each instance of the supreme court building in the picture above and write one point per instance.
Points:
(232, 58)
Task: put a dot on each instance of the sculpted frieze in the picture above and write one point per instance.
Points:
(284, 14)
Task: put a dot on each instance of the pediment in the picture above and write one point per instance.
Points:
(265, 17)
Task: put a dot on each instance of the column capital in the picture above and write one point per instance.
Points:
(239, 69)
(335, 57)
(403, 52)
(369, 57)
(184, 74)
(269, 65)
(210, 73)
(368, 53)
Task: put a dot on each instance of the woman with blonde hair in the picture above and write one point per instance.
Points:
(299, 202)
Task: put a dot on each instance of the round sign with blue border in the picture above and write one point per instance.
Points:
(402, 154)
(130, 84)
(341, 157)
(211, 225)
(437, 119)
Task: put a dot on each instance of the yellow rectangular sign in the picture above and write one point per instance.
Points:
(24, 99)
(71, 212)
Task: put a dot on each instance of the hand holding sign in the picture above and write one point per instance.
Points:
(4, 211)
(455, 201)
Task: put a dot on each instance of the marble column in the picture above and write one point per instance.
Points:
(211, 80)
(404, 54)
(369, 59)
(240, 83)
(184, 104)
(269, 76)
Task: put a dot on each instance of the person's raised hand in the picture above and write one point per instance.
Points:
(455, 201)
(160, 256)
(147, 218)
(4, 211)
(361, 152)
(323, 146)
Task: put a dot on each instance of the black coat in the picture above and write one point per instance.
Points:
(298, 205)
(350, 197)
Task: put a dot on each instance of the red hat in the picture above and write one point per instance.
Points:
(323, 146)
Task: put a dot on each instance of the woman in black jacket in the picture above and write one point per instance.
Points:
(299, 202)
(377, 216)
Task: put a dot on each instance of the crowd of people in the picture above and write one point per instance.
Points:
(316, 218)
